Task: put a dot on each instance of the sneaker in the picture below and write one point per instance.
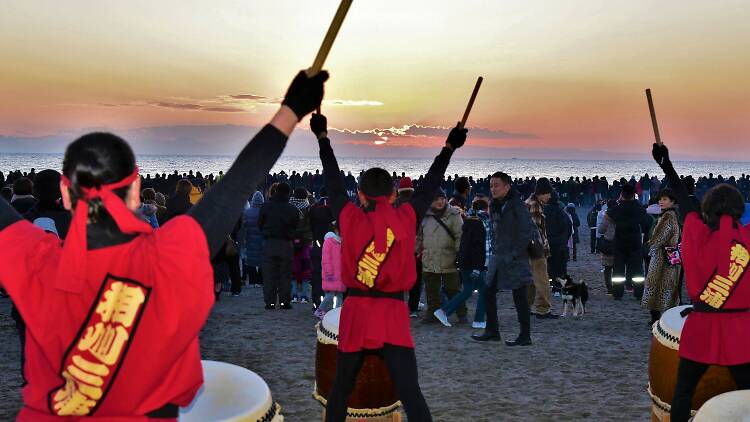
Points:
(421, 306)
(286, 306)
(235, 295)
(320, 313)
(304, 299)
(481, 325)
(270, 306)
(295, 300)
(442, 317)
(518, 342)
(413, 315)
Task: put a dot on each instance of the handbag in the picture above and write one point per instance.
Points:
(674, 254)
(535, 249)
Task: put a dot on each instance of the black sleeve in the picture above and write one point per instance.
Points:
(425, 192)
(8, 214)
(218, 210)
(332, 176)
(686, 206)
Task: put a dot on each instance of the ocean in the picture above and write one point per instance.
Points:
(152, 164)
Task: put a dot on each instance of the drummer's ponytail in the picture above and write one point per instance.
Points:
(97, 159)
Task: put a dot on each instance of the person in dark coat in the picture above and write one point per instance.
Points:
(23, 199)
(321, 218)
(179, 203)
(571, 210)
(251, 242)
(48, 213)
(631, 222)
(508, 267)
(278, 222)
(559, 230)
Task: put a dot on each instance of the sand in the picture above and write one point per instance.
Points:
(593, 368)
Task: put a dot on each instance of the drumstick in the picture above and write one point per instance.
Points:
(462, 123)
(653, 116)
(333, 30)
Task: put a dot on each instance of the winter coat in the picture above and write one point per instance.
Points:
(559, 227)
(57, 218)
(509, 265)
(251, 241)
(746, 217)
(331, 264)
(147, 213)
(576, 222)
(321, 218)
(23, 203)
(536, 211)
(606, 230)
(439, 249)
(177, 205)
(278, 218)
(660, 291)
(631, 223)
(472, 252)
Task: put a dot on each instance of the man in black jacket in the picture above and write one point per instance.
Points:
(320, 219)
(559, 230)
(278, 221)
(631, 222)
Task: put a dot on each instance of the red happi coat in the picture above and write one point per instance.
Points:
(367, 322)
(716, 272)
(127, 343)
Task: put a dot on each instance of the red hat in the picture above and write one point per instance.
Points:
(405, 184)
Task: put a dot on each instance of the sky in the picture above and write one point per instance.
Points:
(561, 78)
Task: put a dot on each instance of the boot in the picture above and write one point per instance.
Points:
(486, 336)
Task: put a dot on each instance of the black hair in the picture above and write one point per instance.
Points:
(23, 186)
(611, 204)
(184, 187)
(282, 189)
(97, 159)
(722, 200)
(376, 182)
(462, 185)
(7, 193)
(502, 176)
(628, 191)
(480, 205)
(667, 193)
(47, 186)
(300, 193)
(148, 194)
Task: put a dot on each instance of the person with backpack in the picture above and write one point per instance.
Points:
(438, 242)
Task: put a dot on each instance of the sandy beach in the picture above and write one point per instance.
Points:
(593, 368)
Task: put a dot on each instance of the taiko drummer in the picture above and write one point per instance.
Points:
(113, 314)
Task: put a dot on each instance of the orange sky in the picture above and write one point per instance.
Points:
(557, 74)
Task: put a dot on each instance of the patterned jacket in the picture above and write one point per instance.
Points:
(536, 209)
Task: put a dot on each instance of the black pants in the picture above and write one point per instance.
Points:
(402, 365)
(628, 269)
(234, 273)
(689, 374)
(593, 240)
(557, 263)
(520, 299)
(416, 291)
(316, 283)
(608, 279)
(277, 271)
(21, 328)
(254, 275)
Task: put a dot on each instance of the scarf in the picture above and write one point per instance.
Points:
(71, 270)
(300, 204)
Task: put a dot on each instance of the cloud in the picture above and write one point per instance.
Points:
(353, 103)
(415, 131)
(177, 106)
(225, 109)
(248, 97)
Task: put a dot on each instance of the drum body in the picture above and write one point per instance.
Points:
(373, 395)
(231, 393)
(664, 361)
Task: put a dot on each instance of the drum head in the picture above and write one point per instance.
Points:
(727, 407)
(669, 328)
(331, 321)
(230, 393)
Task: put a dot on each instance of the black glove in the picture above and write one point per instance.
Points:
(457, 137)
(305, 94)
(318, 124)
(661, 155)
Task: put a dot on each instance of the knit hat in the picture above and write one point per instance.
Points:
(440, 194)
(542, 186)
(405, 184)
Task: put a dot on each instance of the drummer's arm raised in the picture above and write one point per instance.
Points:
(334, 181)
(661, 156)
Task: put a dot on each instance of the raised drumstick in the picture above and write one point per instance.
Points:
(333, 30)
(653, 116)
(462, 123)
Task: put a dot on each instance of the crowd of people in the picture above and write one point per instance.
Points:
(325, 239)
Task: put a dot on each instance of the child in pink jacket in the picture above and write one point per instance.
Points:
(331, 267)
